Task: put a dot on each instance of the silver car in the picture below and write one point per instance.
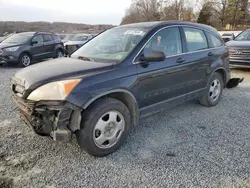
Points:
(76, 42)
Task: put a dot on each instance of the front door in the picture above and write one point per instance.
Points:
(165, 81)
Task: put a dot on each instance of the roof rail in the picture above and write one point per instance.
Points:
(43, 32)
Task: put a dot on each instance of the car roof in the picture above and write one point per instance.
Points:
(169, 23)
(83, 34)
(31, 33)
(48, 33)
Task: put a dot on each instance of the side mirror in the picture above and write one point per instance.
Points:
(34, 42)
(153, 56)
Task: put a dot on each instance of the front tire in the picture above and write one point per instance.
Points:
(104, 127)
(213, 92)
(24, 60)
(59, 53)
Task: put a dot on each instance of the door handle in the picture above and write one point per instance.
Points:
(210, 54)
(180, 60)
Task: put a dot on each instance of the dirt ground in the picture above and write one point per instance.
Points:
(187, 146)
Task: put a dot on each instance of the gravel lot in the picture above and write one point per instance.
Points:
(187, 146)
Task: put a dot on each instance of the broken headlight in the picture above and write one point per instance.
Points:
(54, 90)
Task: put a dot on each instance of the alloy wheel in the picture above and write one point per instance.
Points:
(25, 60)
(59, 54)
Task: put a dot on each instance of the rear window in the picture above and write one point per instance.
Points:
(213, 41)
(196, 39)
(47, 38)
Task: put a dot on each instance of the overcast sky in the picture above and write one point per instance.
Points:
(77, 11)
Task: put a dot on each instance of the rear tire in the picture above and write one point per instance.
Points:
(104, 127)
(25, 60)
(213, 92)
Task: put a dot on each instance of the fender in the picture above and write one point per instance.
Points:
(76, 117)
(26, 52)
(107, 93)
(58, 46)
(226, 77)
(131, 105)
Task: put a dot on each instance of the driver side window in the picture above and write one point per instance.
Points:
(38, 39)
(167, 41)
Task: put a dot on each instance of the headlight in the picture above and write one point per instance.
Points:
(79, 45)
(54, 90)
(11, 49)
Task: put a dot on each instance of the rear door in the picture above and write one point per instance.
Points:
(37, 49)
(49, 45)
(161, 82)
(198, 60)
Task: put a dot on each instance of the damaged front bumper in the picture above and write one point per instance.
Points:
(58, 119)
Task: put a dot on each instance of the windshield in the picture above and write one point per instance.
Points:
(112, 45)
(18, 38)
(69, 37)
(244, 36)
(79, 38)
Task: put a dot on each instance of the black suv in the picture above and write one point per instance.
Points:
(24, 48)
(121, 75)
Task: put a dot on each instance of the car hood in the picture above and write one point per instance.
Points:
(238, 44)
(75, 42)
(6, 45)
(58, 69)
(1, 39)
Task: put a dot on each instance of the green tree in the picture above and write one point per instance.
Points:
(205, 13)
(237, 12)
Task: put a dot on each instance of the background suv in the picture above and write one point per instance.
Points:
(120, 76)
(24, 48)
(240, 50)
(76, 42)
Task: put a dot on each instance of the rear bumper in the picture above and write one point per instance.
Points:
(49, 118)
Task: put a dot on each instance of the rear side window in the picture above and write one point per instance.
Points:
(213, 41)
(38, 39)
(196, 39)
(47, 38)
(167, 40)
(56, 37)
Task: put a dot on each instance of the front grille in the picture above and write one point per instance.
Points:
(27, 107)
(241, 53)
(71, 48)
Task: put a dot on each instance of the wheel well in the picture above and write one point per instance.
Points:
(223, 74)
(129, 101)
(59, 49)
(26, 53)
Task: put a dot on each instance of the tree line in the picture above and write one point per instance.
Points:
(57, 27)
(222, 14)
